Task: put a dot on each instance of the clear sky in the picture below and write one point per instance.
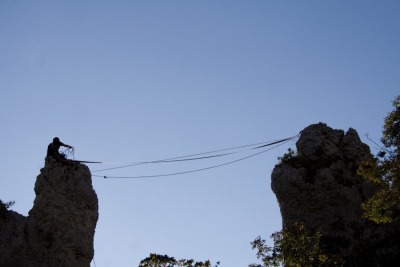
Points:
(127, 81)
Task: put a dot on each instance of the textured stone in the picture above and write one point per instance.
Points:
(320, 187)
(59, 230)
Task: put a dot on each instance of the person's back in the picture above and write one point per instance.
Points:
(52, 150)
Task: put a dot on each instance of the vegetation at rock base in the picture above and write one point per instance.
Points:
(295, 246)
(384, 170)
(156, 260)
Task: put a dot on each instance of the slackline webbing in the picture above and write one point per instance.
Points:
(184, 158)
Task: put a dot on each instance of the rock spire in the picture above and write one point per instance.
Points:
(59, 230)
(319, 186)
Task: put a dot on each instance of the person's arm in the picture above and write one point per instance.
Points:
(65, 145)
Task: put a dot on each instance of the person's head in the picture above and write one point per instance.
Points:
(56, 140)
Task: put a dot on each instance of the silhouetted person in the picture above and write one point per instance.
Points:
(52, 150)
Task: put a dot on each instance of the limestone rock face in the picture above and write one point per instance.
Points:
(59, 230)
(320, 187)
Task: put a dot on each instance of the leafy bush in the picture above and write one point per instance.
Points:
(295, 246)
(156, 260)
(384, 170)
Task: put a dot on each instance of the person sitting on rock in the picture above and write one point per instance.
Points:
(52, 150)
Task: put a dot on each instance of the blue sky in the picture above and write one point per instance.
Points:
(129, 81)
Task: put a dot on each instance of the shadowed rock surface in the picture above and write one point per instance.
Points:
(320, 187)
(59, 230)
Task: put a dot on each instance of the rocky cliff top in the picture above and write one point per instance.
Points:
(59, 230)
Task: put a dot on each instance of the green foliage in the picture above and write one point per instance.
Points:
(384, 170)
(156, 260)
(295, 246)
(270, 256)
(288, 157)
(381, 207)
